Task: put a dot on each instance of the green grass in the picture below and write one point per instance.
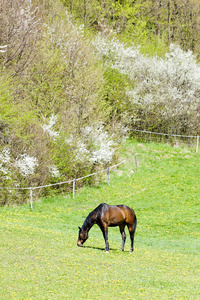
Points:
(39, 258)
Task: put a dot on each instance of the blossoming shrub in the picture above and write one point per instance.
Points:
(164, 92)
(46, 112)
(80, 155)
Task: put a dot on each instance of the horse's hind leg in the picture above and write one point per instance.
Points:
(121, 227)
(131, 232)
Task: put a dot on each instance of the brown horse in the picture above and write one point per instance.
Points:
(109, 216)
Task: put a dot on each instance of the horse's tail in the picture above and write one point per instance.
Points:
(135, 224)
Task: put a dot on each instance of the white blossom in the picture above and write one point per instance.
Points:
(26, 164)
(49, 126)
(172, 83)
(5, 160)
(5, 155)
(54, 171)
(96, 145)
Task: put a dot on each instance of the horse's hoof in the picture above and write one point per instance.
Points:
(107, 251)
(131, 251)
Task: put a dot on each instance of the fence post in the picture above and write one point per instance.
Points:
(108, 172)
(74, 186)
(197, 148)
(31, 196)
(136, 163)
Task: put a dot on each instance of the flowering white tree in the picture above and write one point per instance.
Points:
(48, 127)
(96, 145)
(165, 92)
(19, 31)
(5, 161)
(26, 164)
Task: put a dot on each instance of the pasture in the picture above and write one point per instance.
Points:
(39, 257)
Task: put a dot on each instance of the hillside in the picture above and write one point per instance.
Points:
(75, 81)
(39, 257)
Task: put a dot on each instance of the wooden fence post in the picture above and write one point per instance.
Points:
(197, 148)
(108, 172)
(31, 196)
(74, 186)
(136, 163)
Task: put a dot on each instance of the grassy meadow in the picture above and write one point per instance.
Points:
(39, 257)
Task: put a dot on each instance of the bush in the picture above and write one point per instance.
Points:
(51, 113)
(163, 93)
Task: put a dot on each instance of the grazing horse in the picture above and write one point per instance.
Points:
(109, 216)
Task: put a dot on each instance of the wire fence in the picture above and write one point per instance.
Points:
(73, 181)
(171, 135)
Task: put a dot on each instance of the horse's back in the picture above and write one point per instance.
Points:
(115, 215)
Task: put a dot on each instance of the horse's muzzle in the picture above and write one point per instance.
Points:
(79, 244)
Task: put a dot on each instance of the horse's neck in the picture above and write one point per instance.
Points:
(89, 222)
(87, 227)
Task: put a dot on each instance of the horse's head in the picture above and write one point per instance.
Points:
(82, 237)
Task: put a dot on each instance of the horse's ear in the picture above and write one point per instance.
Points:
(79, 228)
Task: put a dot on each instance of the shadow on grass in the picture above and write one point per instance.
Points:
(103, 249)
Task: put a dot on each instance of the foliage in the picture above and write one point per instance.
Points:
(173, 21)
(116, 96)
(152, 24)
(68, 98)
(39, 257)
(164, 93)
(19, 33)
(49, 100)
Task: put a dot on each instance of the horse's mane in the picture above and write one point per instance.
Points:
(88, 221)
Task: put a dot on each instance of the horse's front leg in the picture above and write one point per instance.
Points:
(104, 229)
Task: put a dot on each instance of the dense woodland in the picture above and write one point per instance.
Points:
(142, 22)
(77, 76)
